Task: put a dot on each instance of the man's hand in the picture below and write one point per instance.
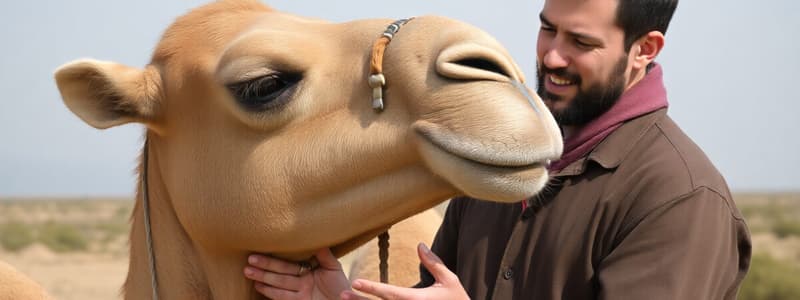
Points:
(447, 285)
(278, 279)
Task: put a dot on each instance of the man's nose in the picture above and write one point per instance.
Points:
(554, 58)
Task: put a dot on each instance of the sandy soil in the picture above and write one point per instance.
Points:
(83, 276)
(97, 273)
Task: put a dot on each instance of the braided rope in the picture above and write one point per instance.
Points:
(383, 254)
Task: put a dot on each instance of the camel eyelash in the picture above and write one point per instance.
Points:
(265, 92)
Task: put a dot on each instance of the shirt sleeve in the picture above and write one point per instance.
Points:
(446, 241)
(693, 247)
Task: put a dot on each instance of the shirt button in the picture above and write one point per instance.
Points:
(508, 274)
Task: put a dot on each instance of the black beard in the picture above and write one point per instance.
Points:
(590, 103)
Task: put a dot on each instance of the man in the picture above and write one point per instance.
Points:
(635, 209)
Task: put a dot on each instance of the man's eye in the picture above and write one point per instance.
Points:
(546, 28)
(265, 92)
(584, 44)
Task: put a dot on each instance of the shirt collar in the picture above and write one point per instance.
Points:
(613, 149)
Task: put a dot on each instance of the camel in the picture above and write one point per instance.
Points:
(261, 137)
(16, 286)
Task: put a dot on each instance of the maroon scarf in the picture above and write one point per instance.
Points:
(645, 96)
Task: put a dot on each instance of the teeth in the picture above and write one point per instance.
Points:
(559, 81)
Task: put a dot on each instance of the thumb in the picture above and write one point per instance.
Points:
(435, 265)
(350, 295)
(327, 260)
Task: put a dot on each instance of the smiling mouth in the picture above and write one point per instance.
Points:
(559, 81)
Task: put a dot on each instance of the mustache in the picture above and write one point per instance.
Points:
(560, 72)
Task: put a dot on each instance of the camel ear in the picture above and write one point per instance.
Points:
(106, 94)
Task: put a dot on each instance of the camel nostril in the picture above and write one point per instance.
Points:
(482, 64)
(472, 61)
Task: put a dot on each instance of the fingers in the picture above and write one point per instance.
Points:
(274, 265)
(282, 281)
(327, 260)
(275, 278)
(447, 284)
(384, 291)
(350, 295)
(279, 279)
(276, 293)
(435, 265)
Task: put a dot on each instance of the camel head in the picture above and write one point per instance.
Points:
(262, 135)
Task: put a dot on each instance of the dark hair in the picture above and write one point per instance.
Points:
(638, 17)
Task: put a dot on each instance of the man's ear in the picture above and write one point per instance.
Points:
(106, 94)
(648, 47)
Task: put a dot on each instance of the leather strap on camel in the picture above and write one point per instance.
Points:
(377, 81)
(376, 78)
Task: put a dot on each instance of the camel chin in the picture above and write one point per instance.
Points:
(484, 181)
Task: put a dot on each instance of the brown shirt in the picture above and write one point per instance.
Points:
(644, 216)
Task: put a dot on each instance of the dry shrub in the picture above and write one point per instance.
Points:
(770, 279)
(63, 237)
(15, 236)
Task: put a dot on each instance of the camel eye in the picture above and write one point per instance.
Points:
(265, 92)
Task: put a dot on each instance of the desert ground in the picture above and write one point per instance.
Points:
(77, 248)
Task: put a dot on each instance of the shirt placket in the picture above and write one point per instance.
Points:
(507, 274)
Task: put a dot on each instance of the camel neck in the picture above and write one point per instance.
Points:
(185, 270)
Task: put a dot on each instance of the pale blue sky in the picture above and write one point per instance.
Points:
(728, 67)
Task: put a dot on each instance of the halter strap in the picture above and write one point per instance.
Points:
(147, 231)
(376, 79)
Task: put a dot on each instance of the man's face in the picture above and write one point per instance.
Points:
(582, 66)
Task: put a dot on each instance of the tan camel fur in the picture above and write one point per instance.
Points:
(16, 286)
(403, 260)
(262, 137)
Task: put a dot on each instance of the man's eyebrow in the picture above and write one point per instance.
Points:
(545, 21)
(579, 35)
(586, 37)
